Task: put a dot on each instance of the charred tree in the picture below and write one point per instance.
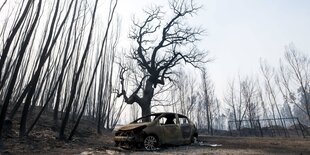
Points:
(77, 76)
(13, 33)
(156, 57)
(65, 62)
(16, 70)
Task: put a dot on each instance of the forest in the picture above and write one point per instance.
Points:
(62, 60)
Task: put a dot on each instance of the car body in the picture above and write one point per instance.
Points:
(157, 129)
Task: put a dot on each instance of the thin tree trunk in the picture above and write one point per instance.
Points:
(13, 33)
(14, 77)
(76, 78)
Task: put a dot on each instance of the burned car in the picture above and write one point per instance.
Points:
(152, 131)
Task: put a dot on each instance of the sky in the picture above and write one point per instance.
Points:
(239, 33)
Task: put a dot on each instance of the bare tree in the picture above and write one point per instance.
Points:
(2, 5)
(294, 79)
(282, 80)
(249, 95)
(13, 33)
(243, 101)
(208, 99)
(14, 77)
(77, 78)
(230, 100)
(269, 76)
(236, 100)
(64, 64)
(111, 15)
(157, 56)
(183, 92)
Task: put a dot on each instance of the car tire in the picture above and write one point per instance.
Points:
(150, 142)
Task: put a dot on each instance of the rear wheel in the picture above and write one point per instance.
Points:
(150, 143)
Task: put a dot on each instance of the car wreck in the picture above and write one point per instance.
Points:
(152, 131)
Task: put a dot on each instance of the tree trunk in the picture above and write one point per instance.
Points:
(14, 77)
(13, 33)
(146, 109)
(77, 76)
(145, 103)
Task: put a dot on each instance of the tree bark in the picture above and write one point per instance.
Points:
(13, 33)
(14, 77)
(77, 76)
(145, 102)
(62, 74)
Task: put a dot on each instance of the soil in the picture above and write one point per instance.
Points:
(235, 146)
(43, 140)
(44, 143)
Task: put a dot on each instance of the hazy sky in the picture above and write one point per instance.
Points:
(241, 32)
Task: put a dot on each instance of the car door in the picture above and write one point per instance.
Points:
(171, 130)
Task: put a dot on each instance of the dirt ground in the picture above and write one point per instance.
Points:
(235, 145)
(43, 140)
(103, 145)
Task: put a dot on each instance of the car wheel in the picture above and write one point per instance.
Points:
(150, 143)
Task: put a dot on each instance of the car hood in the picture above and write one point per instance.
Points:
(132, 126)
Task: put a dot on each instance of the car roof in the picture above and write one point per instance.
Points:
(161, 113)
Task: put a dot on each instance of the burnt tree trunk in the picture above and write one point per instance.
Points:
(13, 33)
(62, 74)
(14, 77)
(157, 57)
(145, 102)
(76, 77)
